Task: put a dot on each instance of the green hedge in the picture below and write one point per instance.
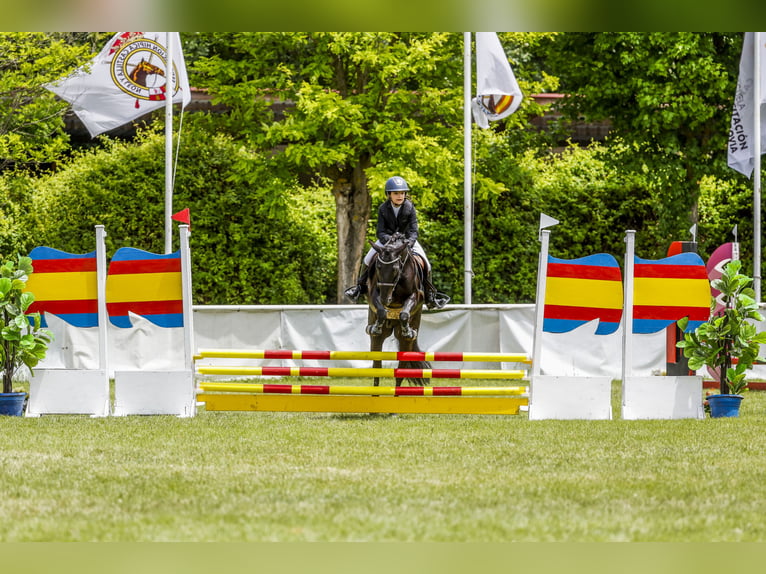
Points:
(255, 239)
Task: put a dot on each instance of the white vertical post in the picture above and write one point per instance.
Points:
(542, 275)
(627, 309)
(169, 92)
(467, 179)
(103, 357)
(757, 165)
(186, 290)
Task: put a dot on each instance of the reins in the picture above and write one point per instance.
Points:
(403, 262)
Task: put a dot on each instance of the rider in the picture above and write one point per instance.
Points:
(397, 214)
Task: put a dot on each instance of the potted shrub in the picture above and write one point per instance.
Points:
(729, 343)
(23, 342)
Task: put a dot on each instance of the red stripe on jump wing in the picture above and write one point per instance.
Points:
(582, 313)
(71, 265)
(584, 271)
(65, 306)
(670, 313)
(145, 266)
(145, 307)
(670, 271)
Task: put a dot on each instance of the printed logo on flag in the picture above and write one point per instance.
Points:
(138, 68)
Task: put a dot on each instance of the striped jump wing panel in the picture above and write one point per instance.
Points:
(666, 290)
(65, 285)
(146, 284)
(581, 290)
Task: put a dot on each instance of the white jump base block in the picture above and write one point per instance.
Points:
(662, 398)
(154, 393)
(69, 392)
(568, 398)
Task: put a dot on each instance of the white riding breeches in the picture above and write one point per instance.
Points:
(417, 249)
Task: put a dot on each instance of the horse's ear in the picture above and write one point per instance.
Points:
(375, 246)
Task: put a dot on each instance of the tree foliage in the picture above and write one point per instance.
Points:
(364, 106)
(31, 126)
(668, 98)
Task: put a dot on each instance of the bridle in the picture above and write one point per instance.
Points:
(398, 270)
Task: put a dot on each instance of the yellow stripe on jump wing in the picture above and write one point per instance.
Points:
(573, 292)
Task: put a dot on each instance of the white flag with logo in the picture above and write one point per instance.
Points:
(126, 80)
(497, 93)
(741, 156)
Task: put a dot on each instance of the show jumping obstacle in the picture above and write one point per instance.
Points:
(231, 396)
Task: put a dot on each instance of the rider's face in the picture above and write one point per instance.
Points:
(397, 197)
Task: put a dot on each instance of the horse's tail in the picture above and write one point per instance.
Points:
(416, 381)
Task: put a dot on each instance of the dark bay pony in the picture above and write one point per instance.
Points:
(395, 296)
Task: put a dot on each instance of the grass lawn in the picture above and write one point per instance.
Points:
(263, 477)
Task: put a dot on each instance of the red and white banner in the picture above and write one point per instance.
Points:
(497, 92)
(126, 80)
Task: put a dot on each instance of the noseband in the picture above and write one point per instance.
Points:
(398, 270)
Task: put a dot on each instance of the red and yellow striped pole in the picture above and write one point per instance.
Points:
(351, 372)
(362, 355)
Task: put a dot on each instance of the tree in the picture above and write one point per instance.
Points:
(32, 132)
(668, 97)
(364, 107)
(31, 126)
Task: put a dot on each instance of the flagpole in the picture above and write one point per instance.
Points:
(757, 166)
(467, 199)
(169, 92)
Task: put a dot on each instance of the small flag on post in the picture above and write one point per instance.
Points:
(183, 216)
(126, 80)
(498, 92)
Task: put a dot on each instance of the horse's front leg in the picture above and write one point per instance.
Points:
(376, 329)
(404, 317)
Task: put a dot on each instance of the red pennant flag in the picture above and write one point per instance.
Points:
(182, 216)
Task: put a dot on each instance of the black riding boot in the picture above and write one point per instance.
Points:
(434, 299)
(360, 288)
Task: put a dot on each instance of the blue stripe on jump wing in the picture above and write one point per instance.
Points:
(43, 252)
(169, 320)
(686, 258)
(74, 319)
(566, 325)
(133, 254)
(161, 320)
(597, 259)
(647, 326)
(561, 325)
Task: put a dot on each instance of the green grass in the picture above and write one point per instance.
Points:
(441, 478)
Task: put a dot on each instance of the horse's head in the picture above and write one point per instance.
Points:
(388, 269)
(143, 69)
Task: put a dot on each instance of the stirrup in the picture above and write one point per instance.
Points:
(437, 300)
